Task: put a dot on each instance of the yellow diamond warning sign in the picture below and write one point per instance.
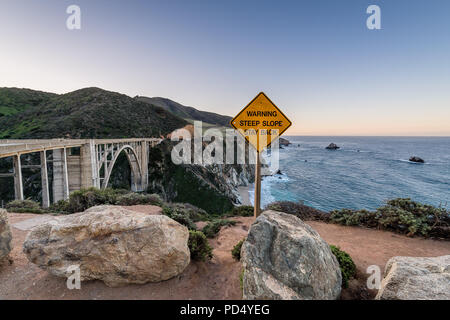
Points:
(261, 122)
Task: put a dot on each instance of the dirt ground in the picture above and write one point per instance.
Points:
(216, 279)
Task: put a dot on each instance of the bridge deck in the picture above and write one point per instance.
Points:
(13, 147)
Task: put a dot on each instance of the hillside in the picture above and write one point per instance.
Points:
(85, 113)
(187, 113)
(15, 100)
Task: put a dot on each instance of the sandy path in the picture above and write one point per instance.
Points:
(376, 247)
(217, 279)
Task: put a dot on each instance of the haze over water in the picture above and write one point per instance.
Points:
(346, 178)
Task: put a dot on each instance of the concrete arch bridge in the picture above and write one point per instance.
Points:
(78, 163)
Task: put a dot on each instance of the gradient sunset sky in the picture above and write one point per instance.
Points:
(315, 59)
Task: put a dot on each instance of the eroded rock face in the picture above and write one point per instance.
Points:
(5, 235)
(284, 258)
(112, 244)
(411, 278)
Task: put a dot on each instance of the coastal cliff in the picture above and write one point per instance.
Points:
(213, 188)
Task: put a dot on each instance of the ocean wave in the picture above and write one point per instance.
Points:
(267, 184)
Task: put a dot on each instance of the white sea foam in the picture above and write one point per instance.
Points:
(267, 184)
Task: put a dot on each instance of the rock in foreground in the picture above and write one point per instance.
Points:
(416, 159)
(5, 235)
(284, 258)
(112, 244)
(410, 278)
(332, 146)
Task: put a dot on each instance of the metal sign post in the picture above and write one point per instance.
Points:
(261, 117)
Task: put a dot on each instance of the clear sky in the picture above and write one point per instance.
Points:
(315, 59)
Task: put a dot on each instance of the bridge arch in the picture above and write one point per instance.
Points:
(134, 162)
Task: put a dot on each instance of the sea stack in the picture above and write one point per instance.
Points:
(284, 142)
(332, 146)
(416, 159)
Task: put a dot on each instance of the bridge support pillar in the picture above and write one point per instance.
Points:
(44, 179)
(60, 175)
(18, 182)
(88, 162)
(144, 165)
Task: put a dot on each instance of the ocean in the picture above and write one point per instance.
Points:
(362, 174)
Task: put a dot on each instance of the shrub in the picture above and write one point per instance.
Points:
(194, 213)
(400, 215)
(179, 217)
(199, 246)
(346, 264)
(62, 206)
(131, 199)
(83, 199)
(243, 211)
(298, 209)
(213, 227)
(236, 251)
(24, 206)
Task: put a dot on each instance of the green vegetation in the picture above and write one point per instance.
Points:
(193, 190)
(346, 264)
(14, 101)
(131, 199)
(199, 246)
(24, 206)
(213, 227)
(179, 217)
(188, 113)
(189, 210)
(243, 211)
(85, 113)
(298, 209)
(400, 215)
(84, 199)
(236, 251)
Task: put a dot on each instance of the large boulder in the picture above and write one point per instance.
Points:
(284, 258)
(5, 236)
(411, 278)
(112, 244)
